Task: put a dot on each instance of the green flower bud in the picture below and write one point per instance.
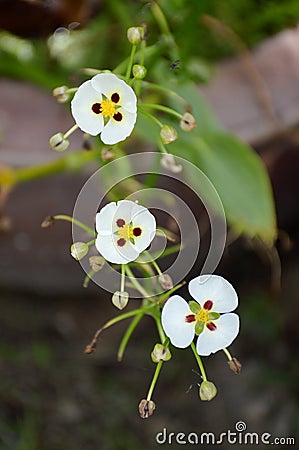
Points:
(79, 250)
(187, 122)
(135, 35)
(146, 408)
(120, 299)
(207, 391)
(61, 94)
(139, 72)
(58, 142)
(168, 134)
(96, 263)
(160, 353)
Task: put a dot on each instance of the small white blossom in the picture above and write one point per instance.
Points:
(124, 230)
(107, 105)
(181, 321)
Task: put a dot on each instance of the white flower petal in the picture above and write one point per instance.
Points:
(211, 341)
(125, 210)
(109, 84)
(180, 332)
(106, 218)
(147, 223)
(107, 247)
(215, 288)
(81, 105)
(116, 131)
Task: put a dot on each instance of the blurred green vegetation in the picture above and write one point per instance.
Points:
(58, 58)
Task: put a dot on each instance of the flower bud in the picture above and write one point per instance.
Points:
(207, 391)
(187, 122)
(96, 263)
(168, 134)
(168, 162)
(135, 35)
(146, 408)
(120, 299)
(79, 250)
(160, 353)
(61, 94)
(107, 154)
(139, 72)
(58, 142)
(165, 281)
(235, 365)
(48, 222)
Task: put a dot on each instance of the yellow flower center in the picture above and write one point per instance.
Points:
(126, 232)
(202, 315)
(108, 108)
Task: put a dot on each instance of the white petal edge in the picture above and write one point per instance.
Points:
(215, 288)
(180, 332)
(108, 84)
(105, 219)
(208, 342)
(81, 105)
(114, 131)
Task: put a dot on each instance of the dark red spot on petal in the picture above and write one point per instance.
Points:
(190, 318)
(120, 222)
(121, 242)
(137, 231)
(211, 326)
(208, 305)
(118, 117)
(96, 108)
(115, 97)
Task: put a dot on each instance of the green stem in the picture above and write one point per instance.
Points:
(75, 222)
(160, 330)
(154, 380)
(161, 108)
(70, 131)
(122, 282)
(161, 19)
(199, 362)
(131, 60)
(170, 92)
(165, 295)
(138, 83)
(150, 116)
(229, 356)
(70, 160)
(164, 27)
(136, 283)
(88, 278)
(128, 334)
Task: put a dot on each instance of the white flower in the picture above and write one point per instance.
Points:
(214, 295)
(124, 230)
(107, 105)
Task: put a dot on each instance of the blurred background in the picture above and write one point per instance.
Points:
(244, 57)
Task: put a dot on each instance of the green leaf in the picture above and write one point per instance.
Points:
(239, 177)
